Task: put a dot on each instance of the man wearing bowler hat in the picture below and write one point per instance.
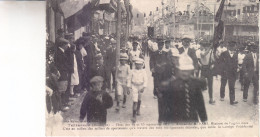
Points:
(161, 70)
(251, 72)
(229, 67)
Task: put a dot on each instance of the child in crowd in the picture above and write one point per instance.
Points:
(96, 103)
(122, 75)
(137, 83)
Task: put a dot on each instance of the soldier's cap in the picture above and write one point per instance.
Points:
(98, 56)
(139, 61)
(96, 79)
(185, 62)
(174, 52)
(123, 56)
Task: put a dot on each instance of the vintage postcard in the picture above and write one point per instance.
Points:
(152, 68)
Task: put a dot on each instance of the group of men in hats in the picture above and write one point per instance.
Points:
(90, 63)
(205, 60)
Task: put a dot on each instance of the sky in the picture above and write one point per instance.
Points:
(146, 6)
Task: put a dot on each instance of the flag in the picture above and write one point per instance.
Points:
(218, 34)
(220, 11)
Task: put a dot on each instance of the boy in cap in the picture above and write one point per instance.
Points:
(122, 75)
(137, 82)
(134, 54)
(186, 103)
(96, 103)
(229, 67)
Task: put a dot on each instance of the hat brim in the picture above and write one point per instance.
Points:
(186, 38)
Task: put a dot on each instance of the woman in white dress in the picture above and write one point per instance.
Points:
(75, 74)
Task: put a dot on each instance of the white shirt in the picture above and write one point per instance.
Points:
(241, 58)
(231, 54)
(134, 54)
(198, 53)
(205, 60)
(221, 50)
(138, 77)
(185, 50)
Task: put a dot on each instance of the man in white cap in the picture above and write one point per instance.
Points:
(186, 94)
(185, 49)
(137, 83)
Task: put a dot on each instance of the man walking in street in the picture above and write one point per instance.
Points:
(185, 49)
(251, 69)
(185, 93)
(207, 63)
(229, 66)
(161, 70)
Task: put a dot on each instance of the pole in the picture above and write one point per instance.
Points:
(198, 19)
(214, 20)
(174, 21)
(118, 32)
(127, 20)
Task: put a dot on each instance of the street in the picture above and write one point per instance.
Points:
(221, 111)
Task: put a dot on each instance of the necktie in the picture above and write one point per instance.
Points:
(187, 100)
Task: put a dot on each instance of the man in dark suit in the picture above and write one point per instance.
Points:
(161, 71)
(62, 63)
(110, 65)
(251, 68)
(185, 48)
(229, 66)
(184, 95)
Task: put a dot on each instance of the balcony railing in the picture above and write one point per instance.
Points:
(245, 19)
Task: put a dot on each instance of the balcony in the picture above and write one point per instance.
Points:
(245, 19)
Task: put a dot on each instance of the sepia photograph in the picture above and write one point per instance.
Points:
(152, 67)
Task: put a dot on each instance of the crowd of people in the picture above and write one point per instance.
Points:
(181, 70)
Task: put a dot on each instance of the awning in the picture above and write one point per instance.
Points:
(71, 7)
(107, 5)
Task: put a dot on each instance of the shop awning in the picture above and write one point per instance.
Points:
(71, 7)
(107, 5)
